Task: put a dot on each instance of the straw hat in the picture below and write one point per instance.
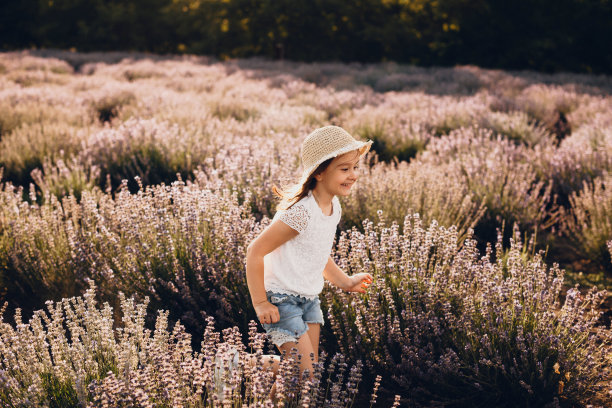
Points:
(325, 143)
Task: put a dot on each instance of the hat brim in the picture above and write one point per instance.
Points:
(363, 148)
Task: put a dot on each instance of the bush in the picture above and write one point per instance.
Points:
(389, 143)
(517, 127)
(64, 179)
(72, 356)
(452, 115)
(27, 147)
(461, 329)
(401, 82)
(262, 163)
(233, 109)
(583, 156)
(182, 246)
(40, 105)
(434, 192)
(550, 106)
(154, 152)
(108, 106)
(588, 222)
(38, 246)
(24, 62)
(501, 174)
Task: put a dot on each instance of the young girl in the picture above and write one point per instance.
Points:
(287, 263)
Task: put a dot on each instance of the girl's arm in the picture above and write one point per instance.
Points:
(355, 283)
(271, 238)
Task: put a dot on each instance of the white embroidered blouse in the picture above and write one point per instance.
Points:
(296, 267)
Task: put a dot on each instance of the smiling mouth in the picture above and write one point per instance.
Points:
(346, 185)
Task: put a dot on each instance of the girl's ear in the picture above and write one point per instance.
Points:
(318, 177)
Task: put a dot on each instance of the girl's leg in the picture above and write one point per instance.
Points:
(307, 344)
(304, 348)
(314, 330)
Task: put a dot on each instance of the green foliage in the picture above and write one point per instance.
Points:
(60, 394)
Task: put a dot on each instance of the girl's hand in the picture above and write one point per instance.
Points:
(360, 282)
(267, 312)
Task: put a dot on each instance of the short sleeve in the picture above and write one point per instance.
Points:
(296, 217)
(338, 207)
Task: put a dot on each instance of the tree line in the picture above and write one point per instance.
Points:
(544, 35)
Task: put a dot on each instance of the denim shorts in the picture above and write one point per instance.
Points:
(295, 314)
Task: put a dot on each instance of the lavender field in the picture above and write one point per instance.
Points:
(131, 184)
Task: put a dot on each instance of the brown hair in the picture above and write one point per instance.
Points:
(292, 194)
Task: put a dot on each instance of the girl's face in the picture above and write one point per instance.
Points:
(341, 174)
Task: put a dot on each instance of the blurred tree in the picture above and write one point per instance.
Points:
(17, 20)
(548, 35)
(103, 25)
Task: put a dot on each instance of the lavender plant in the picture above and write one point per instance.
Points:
(251, 171)
(155, 152)
(393, 139)
(516, 126)
(499, 173)
(37, 250)
(588, 222)
(64, 178)
(108, 107)
(232, 129)
(550, 106)
(39, 104)
(581, 157)
(459, 328)
(27, 147)
(434, 192)
(181, 245)
(71, 355)
(403, 145)
(234, 109)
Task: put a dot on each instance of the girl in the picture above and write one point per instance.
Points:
(287, 263)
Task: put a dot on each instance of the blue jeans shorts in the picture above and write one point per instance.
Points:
(295, 314)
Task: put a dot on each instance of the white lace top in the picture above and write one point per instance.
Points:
(296, 267)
